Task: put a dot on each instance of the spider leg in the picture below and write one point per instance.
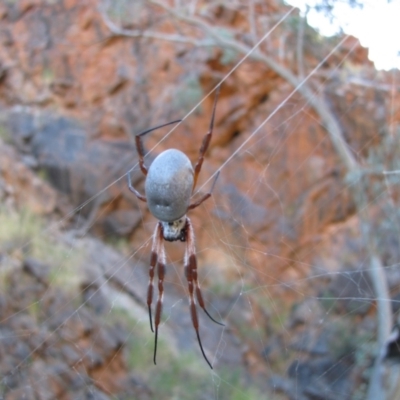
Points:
(191, 276)
(192, 264)
(140, 147)
(133, 190)
(161, 275)
(193, 312)
(155, 250)
(206, 141)
(206, 196)
(193, 267)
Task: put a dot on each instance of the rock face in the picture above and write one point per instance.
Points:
(20, 187)
(79, 167)
(50, 346)
(68, 348)
(77, 94)
(72, 95)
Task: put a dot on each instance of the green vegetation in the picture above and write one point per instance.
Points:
(4, 133)
(121, 244)
(188, 94)
(179, 376)
(126, 12)
(23, 234)
(224, 289)
(343, 341)
(48, 75)
(34, 310)
(328, 300)
(43, 174)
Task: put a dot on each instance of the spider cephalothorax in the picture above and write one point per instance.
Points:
(175, 230)
(170, 182)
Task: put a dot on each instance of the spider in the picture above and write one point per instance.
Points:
(170, 182)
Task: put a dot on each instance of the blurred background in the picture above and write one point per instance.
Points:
(298, 248)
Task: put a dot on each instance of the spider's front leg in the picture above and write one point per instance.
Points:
(206, 140)
(141, 153)
(140, 147)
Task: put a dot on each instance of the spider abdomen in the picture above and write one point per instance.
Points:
(169, 185)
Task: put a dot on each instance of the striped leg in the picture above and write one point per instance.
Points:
(193, 311)
(161, 275)
(192, 262)
(155, 251)
(191, 275)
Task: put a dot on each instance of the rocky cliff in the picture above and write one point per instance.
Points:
(279, 247)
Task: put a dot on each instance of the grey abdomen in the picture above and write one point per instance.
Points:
(169, 185)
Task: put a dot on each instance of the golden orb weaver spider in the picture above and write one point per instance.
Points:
(170, 182)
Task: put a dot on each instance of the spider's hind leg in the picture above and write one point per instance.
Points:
(193, 312)
(191, 265)
(157, 259)
(191, 275)
(155, 251)
(157, 319)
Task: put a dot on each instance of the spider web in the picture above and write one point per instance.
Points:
(307, 319)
